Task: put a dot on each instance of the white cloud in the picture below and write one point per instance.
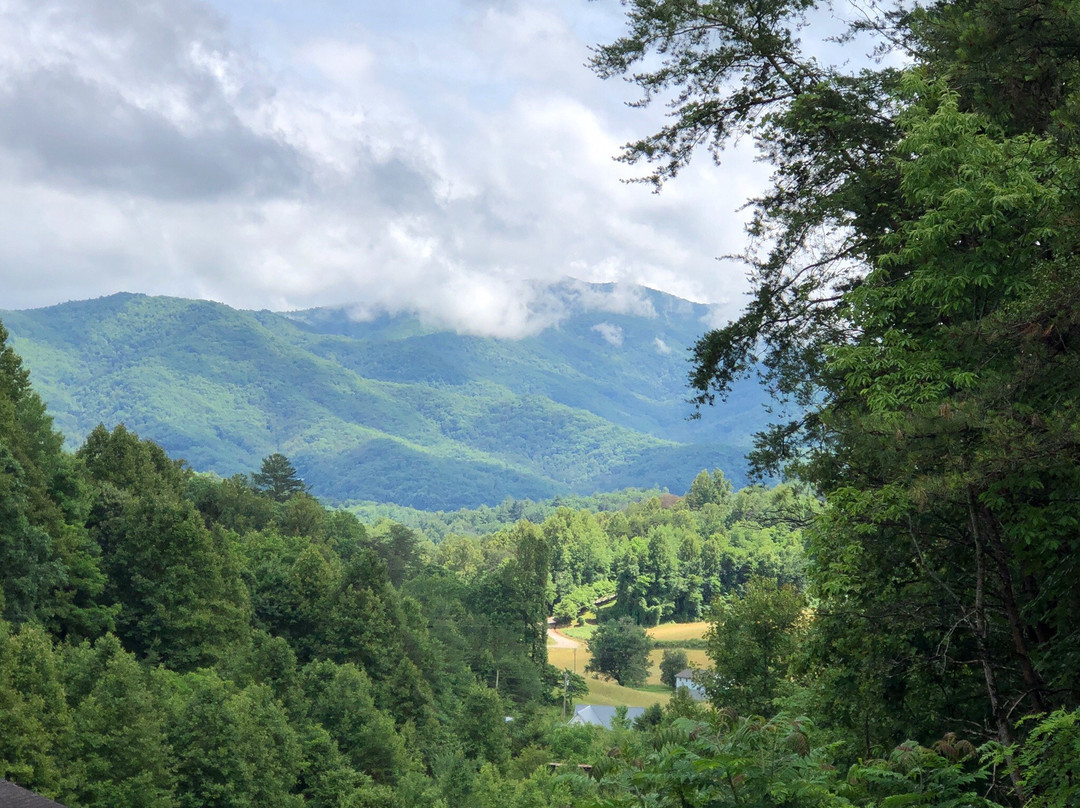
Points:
(452, 159)
(661, 346)
(612, 334)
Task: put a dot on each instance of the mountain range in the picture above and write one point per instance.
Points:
(392, 409)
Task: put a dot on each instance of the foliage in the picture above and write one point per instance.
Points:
(709, 489)
(671, 664)
(915, 289)
(49, 570)
(234, 747)
(35, 719)
(730, 762)
(264, 652)
(620, 650)
(1048, 761)
(277, 478)
(119, 744)
(662, 560)
(277, 653)
(945, 776)
(752, 640)
(485, 519)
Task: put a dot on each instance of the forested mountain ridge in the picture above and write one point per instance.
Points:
(390, 409)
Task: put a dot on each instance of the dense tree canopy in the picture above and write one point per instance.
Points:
(916, 291)
(170, 639)
(752, 641)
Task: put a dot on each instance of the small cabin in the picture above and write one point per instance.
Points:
(685, 678)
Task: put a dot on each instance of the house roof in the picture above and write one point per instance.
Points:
(13, 796)
(685, 673)
(600, 715)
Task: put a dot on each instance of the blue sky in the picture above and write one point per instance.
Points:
(446, 158)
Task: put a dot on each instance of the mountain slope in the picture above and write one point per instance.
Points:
(391, 409)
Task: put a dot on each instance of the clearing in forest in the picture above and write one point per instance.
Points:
(569, 652)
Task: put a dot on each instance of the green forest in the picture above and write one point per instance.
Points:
(393, 410)
(171, 638)
(895, 625)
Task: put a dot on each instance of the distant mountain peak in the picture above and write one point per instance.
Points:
(392, 409)
(543, 305)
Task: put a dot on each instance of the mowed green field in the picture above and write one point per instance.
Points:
(604, 691)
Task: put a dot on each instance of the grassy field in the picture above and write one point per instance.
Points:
(694, 658)
(565, 658)
(602, 691)
(667, 632)
(579, 632)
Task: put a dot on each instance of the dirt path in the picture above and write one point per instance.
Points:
(558, 640)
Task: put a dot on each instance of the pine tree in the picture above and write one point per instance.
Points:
(278, 479)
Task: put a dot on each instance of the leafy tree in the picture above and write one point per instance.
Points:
(231, 503)
(580, 552)
(340, 699)
(671, 664)
(234, 747)
(28, 570)
(122, 460)
(752, 639)
(312, 583)
(566, 612)
(514, 595)
(176, 583)
(327, 780)
(399, 548)
(620, 649)
(277, 478)
(1049, 761)
(709, 489)
(302, 515)
(917, 295)
(35, 718)
(480, 726)
(119, 744)
(49, 569)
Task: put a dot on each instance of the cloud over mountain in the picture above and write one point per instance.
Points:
(275, 157)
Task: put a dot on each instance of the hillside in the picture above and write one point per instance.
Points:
(390, 409)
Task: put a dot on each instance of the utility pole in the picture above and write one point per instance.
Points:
(565, 691)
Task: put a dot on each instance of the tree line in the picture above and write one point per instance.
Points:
(664, 558)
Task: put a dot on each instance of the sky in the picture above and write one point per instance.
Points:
(448, 158)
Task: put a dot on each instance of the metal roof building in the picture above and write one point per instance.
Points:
(600, 715)
(13, 796)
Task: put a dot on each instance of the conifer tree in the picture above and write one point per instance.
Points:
(278, 478)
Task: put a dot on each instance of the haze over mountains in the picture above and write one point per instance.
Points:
(390, 409)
